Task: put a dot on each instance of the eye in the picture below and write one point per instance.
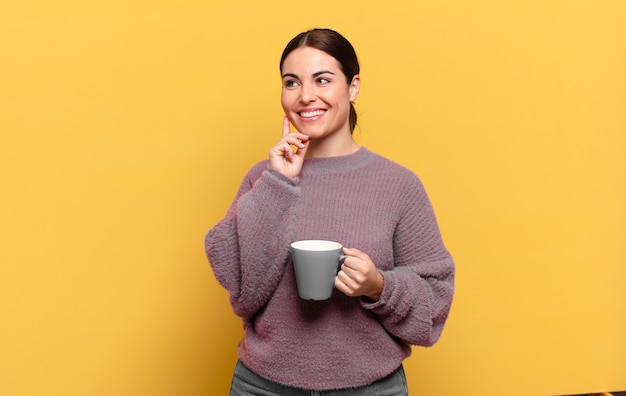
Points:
(323, 80)
(290, 83)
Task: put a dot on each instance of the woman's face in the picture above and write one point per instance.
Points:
(315, 95)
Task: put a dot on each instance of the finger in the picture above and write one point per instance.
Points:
(355, 275)
(339, 285)
(355, 253)
(286, 127)
(287, 131)
(293, 139)
(351, 263)
(287, 152)
(302, 147)
(344, 283)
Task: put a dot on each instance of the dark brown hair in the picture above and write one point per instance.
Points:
(335, 45)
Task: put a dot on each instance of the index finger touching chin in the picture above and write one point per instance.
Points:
(286, 126)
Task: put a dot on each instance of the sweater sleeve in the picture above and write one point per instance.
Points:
(248, 249)
(417, 293)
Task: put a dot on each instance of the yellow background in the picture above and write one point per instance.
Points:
(126, 127)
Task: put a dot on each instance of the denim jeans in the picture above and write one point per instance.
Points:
(247, 383)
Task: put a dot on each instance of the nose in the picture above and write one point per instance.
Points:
(307, 93)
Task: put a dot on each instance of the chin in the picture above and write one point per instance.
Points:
(315, 134)
(313, 130)
(306, 130)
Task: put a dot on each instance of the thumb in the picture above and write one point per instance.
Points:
(302, 150)
(354, 252)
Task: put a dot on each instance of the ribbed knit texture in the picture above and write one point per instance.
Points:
(361, 200)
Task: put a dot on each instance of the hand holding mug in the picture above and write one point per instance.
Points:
(359, 276)
(316, 264)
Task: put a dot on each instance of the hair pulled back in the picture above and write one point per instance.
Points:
(335, 45)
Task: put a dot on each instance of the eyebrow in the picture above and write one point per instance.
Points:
(319, 73)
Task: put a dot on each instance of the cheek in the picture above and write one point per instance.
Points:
(339, 96)
(285, 100)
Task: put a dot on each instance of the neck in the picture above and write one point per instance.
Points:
(340, 145)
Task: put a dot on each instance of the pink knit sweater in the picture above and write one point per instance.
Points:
(361, 200)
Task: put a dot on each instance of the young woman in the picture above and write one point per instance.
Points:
(395, 288)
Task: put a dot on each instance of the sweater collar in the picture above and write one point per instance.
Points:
(343, 163)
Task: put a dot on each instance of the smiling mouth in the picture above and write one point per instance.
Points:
(311, 114)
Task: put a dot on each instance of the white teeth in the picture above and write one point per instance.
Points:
(309, 114)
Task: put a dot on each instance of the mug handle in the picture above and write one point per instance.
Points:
(342, 258)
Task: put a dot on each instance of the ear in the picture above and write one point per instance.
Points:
(355, 87)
